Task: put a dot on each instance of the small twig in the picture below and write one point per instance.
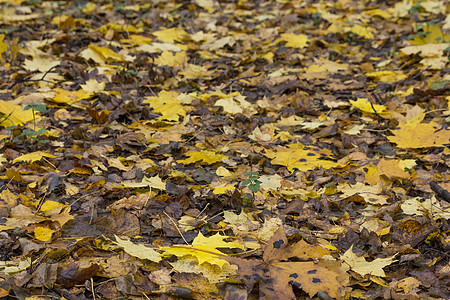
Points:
(42, 78)
(148, 196)
(441, 192)
(54, 167)
(371, 104)
(419, 73)
(6, 118)
(240, 78)
(375, 130)
(41, 202)
(216, 215)
(206, 206)
(56, 128)
(92, 287)
(176, 226)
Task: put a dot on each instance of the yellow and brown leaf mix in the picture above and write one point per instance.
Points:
(224, 149)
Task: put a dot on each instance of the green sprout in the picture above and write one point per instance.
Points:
(34, 134)
(253, 185)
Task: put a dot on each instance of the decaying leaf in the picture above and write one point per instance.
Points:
(361, 266)
(276, 277)
(139, 251)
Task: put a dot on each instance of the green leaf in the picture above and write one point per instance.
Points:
(41, 131)
(251, 174)
(39, 107)
(254, 187)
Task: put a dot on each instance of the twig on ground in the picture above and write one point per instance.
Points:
(240, 78)
(176, 226)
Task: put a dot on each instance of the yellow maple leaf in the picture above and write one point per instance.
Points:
(8, 199)
(137, 40)
(432, 35)
(63, 217)
(371, 194)
(364, 105)
(305, 159)
(93, 86)
(423, 135)
(190, 71)
(294, 40)
(363, 267)
(235, 105)
(154, 182)
(41, 64)
(168, 105)
(209, 157)
(222, 189)
(136, 250)
(430, 206)
(316, 69)
(13, 115)
(386, 76)
(204, 249)
(170, 35)
(363, 31)
(33, 156)
(389, 168)
(168, 59)
(107, 54)
(22, 215)
(43, 233)
(70, 97)
(427, 50)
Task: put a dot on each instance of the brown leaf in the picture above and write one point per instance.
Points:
(412, 232)
(276, 277)
(70, 275)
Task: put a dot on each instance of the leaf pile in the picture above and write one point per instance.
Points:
(129, 130)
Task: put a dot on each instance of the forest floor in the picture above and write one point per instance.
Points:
(224, 149)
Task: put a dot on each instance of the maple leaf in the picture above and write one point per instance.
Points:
(389, 168)
(294, 40)
(233, 105)
(386, 76)
(423, 135)
(13, 115)
(153, 182)
(136, 250)
(276, 276)
(31, 157)
(205, 249)
(419, 207)
(170, 35)
(206, 156)
(42, 64)
(364, 105)
(363, 267)
(106, 54)
(302, 158)
(371, 194)
(168, 105)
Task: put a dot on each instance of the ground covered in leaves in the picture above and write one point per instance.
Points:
(224, 149)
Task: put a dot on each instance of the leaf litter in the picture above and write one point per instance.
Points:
(127, 130)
